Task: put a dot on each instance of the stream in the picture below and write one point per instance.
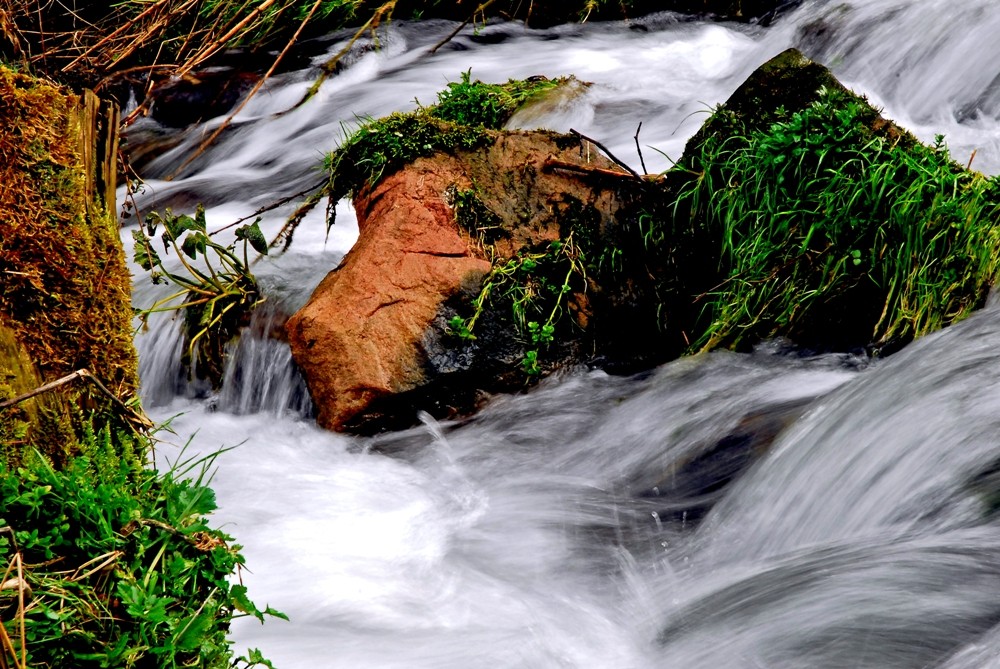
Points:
(599, 521)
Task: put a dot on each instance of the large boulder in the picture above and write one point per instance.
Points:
(380, 325)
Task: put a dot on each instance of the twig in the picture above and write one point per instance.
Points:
(464, 23)
(327, 67)
(555, 163)
(635, 175)
(8, 29)
(8, 645)
(210, 50)
(101, 561)
(269, 207)
(229, 119)
(134, 415)
(107, 38)
(20, 610)
(639, 149)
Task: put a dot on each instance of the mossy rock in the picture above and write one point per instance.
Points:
(65, 293)
(825, 222)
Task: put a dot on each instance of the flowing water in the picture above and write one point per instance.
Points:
(599, 521)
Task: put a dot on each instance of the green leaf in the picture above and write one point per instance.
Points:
(152, 220)
(194, 244)
(252, 234)
(144, 254)
(175, 226)
(238, 593)
(199, 218)
(274, 613)
(193, 630)
(195, 500)
(254, 658)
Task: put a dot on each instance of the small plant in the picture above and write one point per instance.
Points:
(475, 103)
(215, 295)
(110, 564)
(529, 363)
(534, 287)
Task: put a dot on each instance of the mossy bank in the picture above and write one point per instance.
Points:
(65, 289)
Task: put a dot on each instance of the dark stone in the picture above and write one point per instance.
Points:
(688, 492)
(200, 96)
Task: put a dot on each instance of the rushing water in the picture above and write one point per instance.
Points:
(599, 521)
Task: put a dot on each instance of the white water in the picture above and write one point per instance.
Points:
(532, 536)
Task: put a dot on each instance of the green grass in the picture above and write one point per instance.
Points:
(116, 565)
(830, 230)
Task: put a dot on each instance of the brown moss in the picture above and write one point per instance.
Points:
(64, 285)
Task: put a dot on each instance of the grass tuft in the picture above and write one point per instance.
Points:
(110, 564)
(831, 231)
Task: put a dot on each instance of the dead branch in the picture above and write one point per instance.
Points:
(211, 49)
(478, 10)
(635, 175)
(588, 170)
(270, 206)
(639, 149)
(229, 119)
(330, 65)
(137, 419)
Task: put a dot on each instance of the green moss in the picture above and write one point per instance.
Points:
(463, 118)
(65, 292)
(467, 116)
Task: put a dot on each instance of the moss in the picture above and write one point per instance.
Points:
(467, 116)
(65, 291)
(475, 103)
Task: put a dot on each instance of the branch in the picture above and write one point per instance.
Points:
(328, 67)
(639, 149)
(556, 164)
(229, 119)
(464, 23)
(135, 417)
(635, 175)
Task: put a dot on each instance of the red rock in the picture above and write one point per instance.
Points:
(360, 338)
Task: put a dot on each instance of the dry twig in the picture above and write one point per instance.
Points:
(229, 119)
(135, 418)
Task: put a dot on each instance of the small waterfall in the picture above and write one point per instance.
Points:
(259, 375)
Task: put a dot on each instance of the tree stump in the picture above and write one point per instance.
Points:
(65, 289)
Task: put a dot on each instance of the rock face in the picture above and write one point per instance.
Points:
(371, 330)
